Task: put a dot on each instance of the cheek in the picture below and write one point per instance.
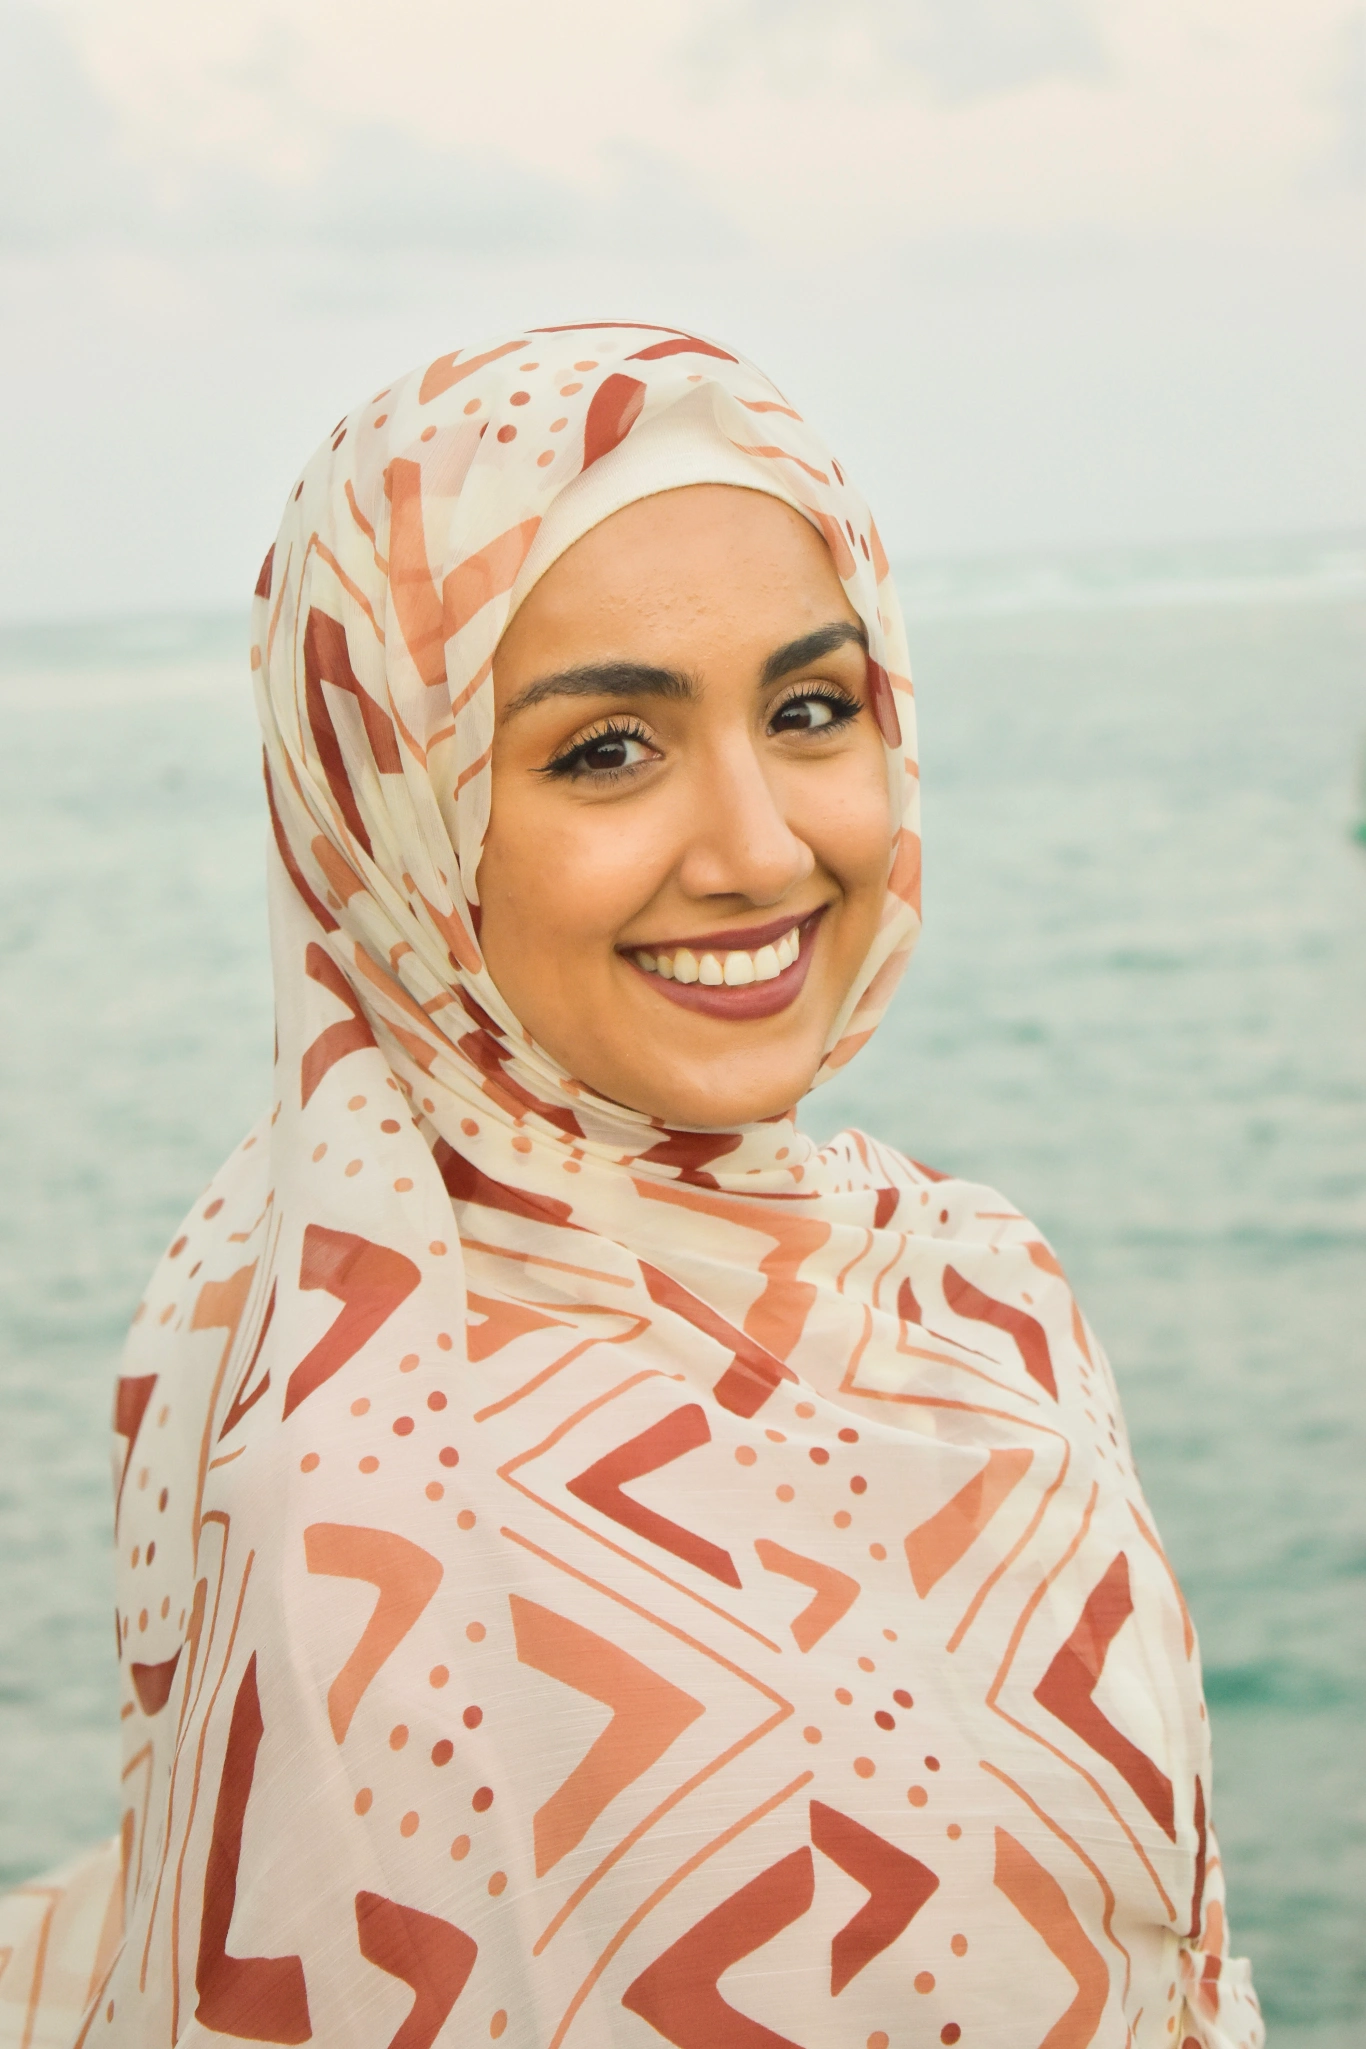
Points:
(853, 826)
(562, 884)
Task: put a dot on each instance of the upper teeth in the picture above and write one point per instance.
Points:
(732, 969)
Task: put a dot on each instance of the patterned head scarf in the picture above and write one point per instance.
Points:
(582, 1582)
(407, 544)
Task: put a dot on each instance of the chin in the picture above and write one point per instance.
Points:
(683, 1078)
(725, 1104)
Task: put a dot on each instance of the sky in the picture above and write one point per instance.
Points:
(1046, 273)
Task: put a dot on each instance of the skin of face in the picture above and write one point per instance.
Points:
(655, 782)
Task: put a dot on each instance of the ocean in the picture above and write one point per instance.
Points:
(1139, 1007)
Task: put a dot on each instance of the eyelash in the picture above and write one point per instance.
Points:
(843, 707)
(570, 764)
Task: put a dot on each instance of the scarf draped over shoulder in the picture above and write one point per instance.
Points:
(579, 1582)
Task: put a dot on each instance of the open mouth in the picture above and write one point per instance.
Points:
(752, 973)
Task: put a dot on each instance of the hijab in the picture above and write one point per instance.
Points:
(583, 1582)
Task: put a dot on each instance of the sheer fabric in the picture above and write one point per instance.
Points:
(580, 1582)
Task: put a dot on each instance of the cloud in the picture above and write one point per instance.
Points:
(227, 150)
(1048, 269)
(376, 191)
(971, 48)
(785, 128)
(68, 176)
(61, 178)
(958, 49)
(1348, 99)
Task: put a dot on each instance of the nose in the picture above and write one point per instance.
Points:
(740, 842)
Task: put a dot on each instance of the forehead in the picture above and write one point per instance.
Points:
(699, 565)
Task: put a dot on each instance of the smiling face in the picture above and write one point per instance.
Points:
(690, 834)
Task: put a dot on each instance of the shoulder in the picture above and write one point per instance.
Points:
(223, 1231)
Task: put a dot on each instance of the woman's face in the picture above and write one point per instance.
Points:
(691, 831)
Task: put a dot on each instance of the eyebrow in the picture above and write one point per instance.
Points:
(799, 654)
(641, 679)
(604, 679)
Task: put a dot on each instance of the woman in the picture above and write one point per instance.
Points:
(595, 1568)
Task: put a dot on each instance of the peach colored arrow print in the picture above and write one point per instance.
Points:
(833, 1593)
(1068, 1686)
(1030, 1338)
(897, 1885)
(1036, 1895)
(935, 1546)
(263, 1999)
(406, 1577)
(491, 1324)
(600, 1486)
(368, 1280)
(335, 1041)
(648, 1714)
(153, 1683)
(130, 1406)
(244, 1402)
(433, 1956)
(753, 1372)
(678, 1994)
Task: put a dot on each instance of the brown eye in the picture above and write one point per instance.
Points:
(612, 753)
(813, 711)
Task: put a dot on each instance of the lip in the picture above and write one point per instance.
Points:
(739, 939)
(752, 999)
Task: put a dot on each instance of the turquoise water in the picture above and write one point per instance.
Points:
(1139, 1007)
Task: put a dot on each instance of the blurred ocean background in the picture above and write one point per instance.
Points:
(1139, 1007)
